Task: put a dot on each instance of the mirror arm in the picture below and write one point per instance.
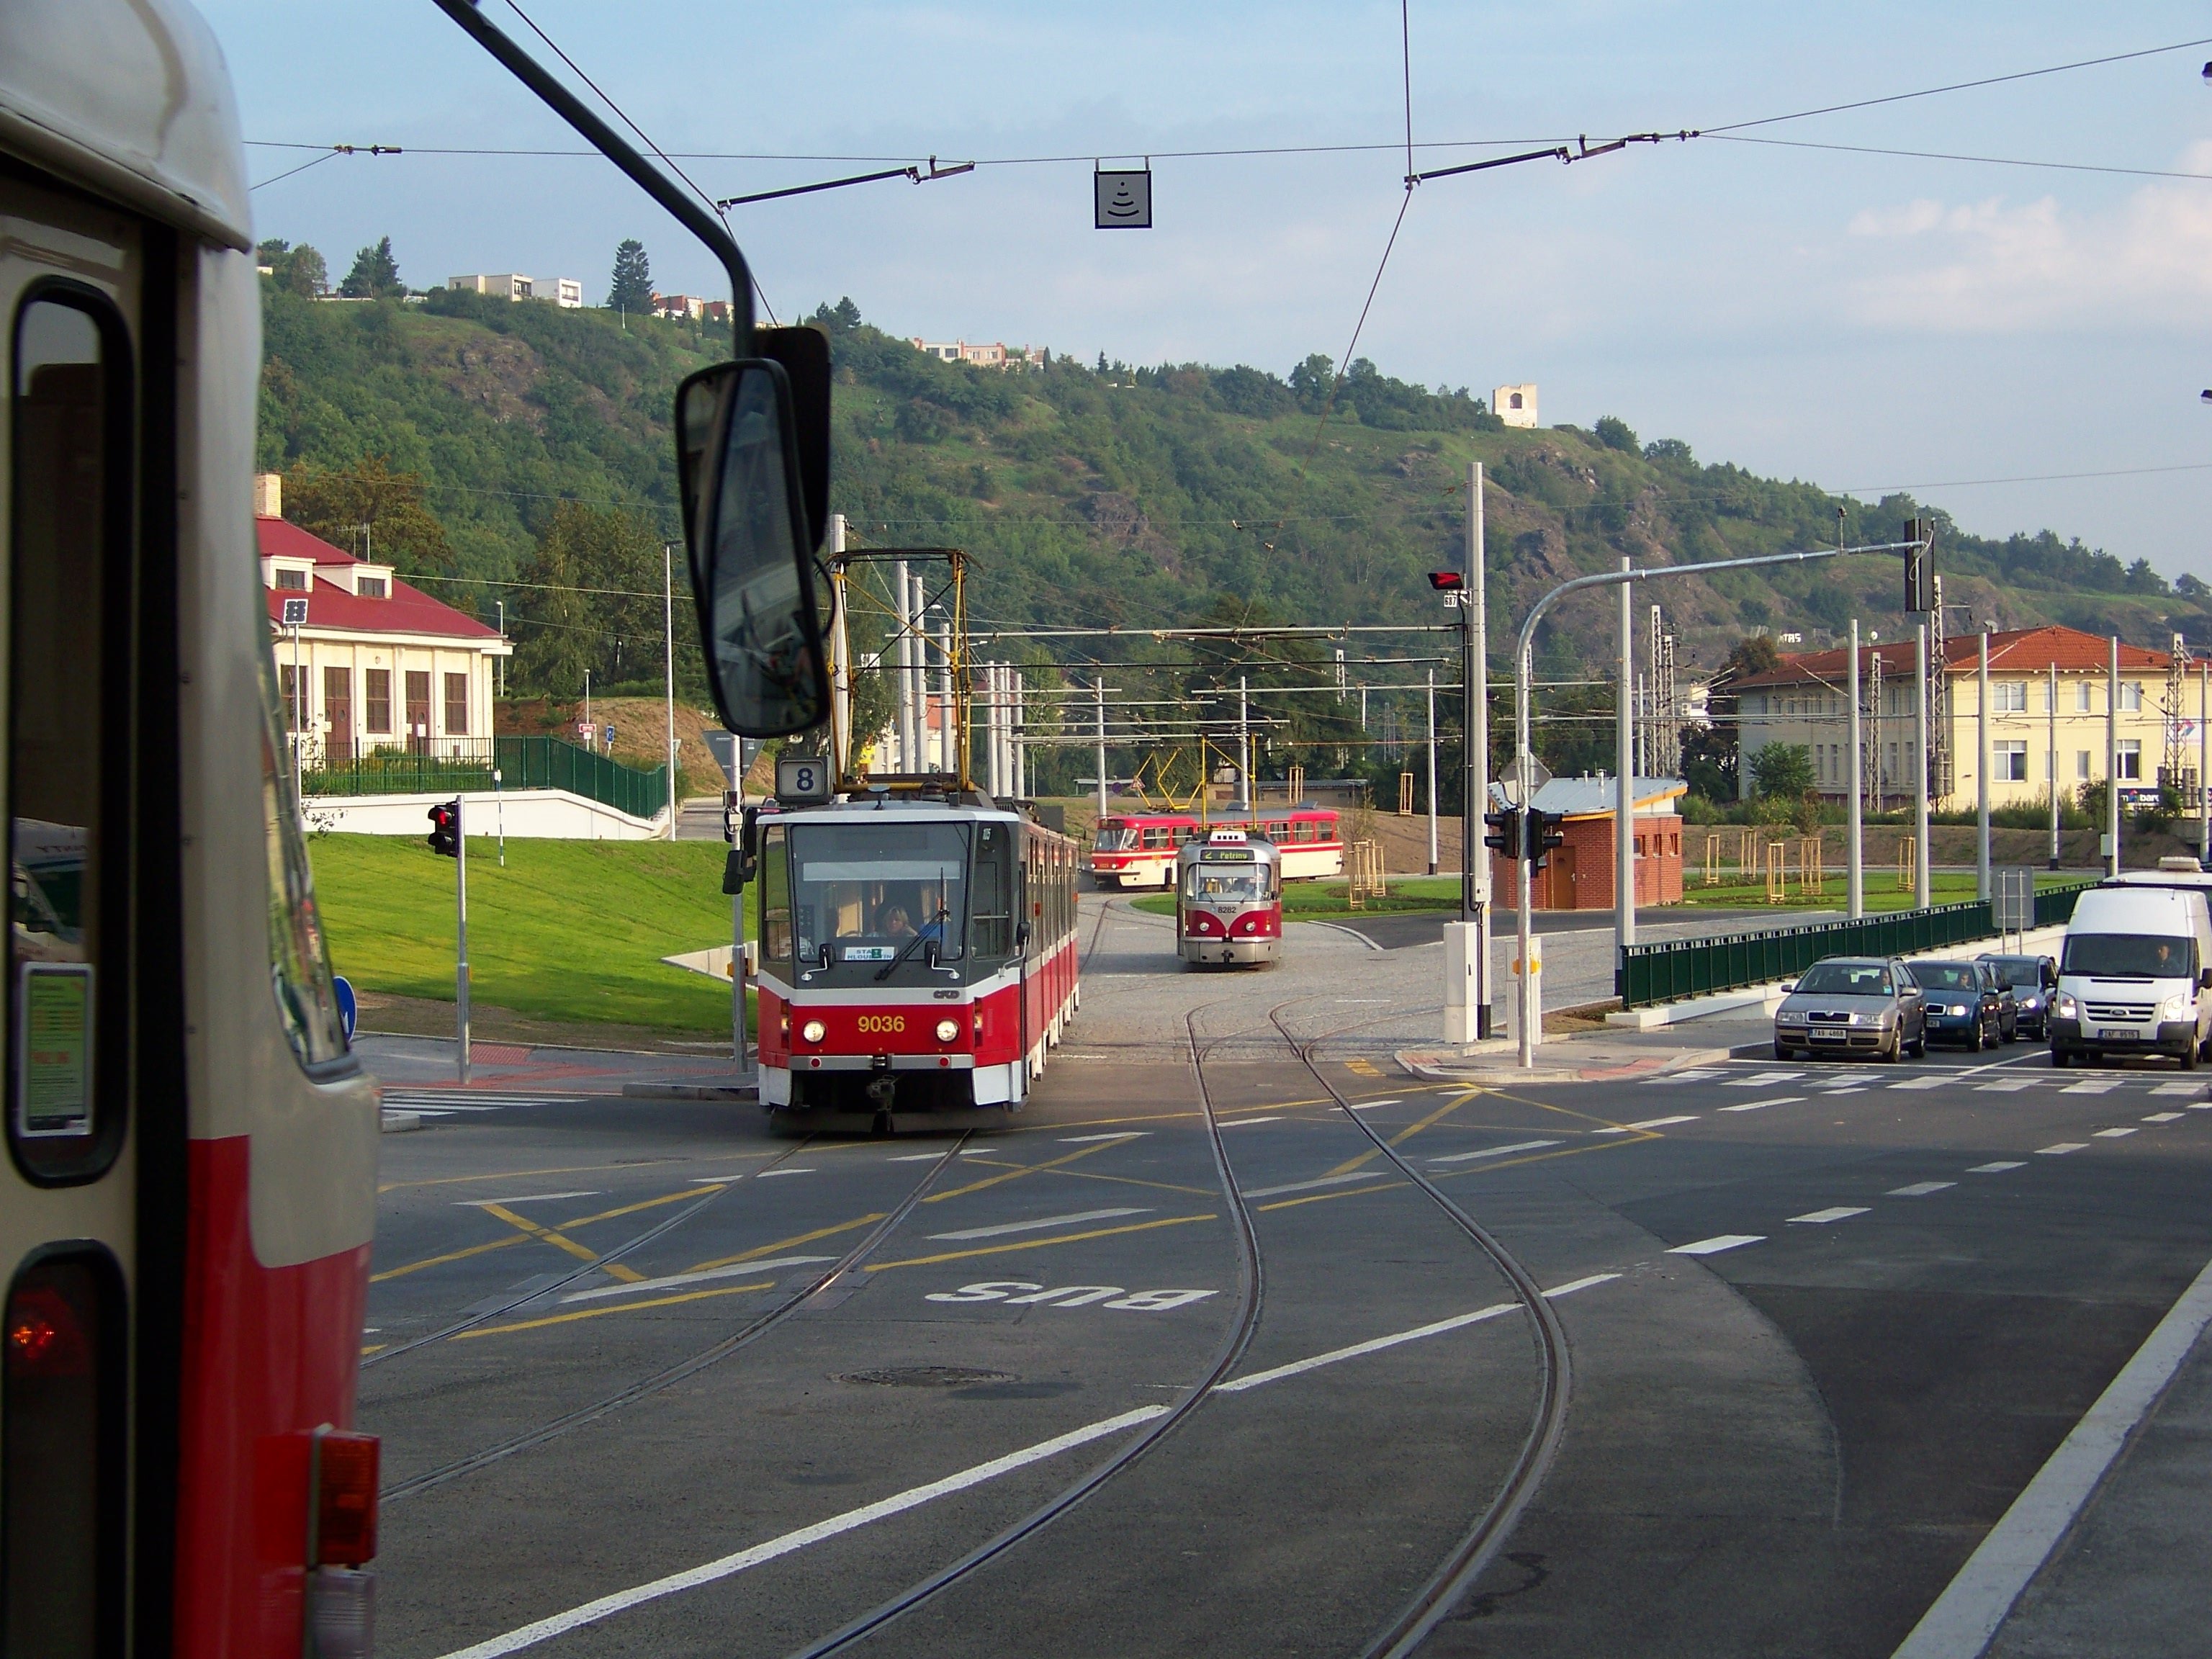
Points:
(611, 145)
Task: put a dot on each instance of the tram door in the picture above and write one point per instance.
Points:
(83, 1119)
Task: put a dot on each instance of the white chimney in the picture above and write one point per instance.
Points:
(268, 494)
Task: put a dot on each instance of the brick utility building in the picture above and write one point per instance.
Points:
(1578, 875)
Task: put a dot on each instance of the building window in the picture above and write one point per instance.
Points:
(2081, 699)
(2011, 697)
(2130, 696)
(457, 705)
(2081, 765)
(418, 709)
(292, 582)
(371, 587)
(376, 702)
(2130, 759)
(2012, 760)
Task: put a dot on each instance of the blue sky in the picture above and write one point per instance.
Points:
(1857, 320)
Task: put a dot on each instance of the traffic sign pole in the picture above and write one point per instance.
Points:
(461, 932)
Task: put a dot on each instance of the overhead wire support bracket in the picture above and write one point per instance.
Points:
(723, 205)
(1582, 150)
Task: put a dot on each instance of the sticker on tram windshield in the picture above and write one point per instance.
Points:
(870, 952)
(53, 1041)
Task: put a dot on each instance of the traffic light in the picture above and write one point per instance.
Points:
(445, 829)
(1446, 581)
(1505, 837)
(1542, 834)
(1920, 565)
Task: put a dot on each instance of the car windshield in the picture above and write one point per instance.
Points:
(2130, 956)
(866, 890)
(1946, 976)
(1847, 978)
(2019, 970)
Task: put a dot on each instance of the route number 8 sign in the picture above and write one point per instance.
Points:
(802, 777)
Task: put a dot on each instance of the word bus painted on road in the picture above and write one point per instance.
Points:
(1070, 1295)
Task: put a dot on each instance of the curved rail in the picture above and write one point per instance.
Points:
(752, 1330)
(1458, 1571)
(1250, 1287)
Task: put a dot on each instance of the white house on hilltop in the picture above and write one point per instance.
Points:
(565, 292)
(996, 354)
(1516, 405)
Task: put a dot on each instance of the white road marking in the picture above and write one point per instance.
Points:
(2164, 1117)
(2061, 1149)
(1756, 1105)
(1119, 1134)
(1922, 1083)
(1648, 1123)
(719, 1181)
(1760, 1080)
(2003, 1165)
(2202, 1106)
(1042, 1222)
(1493, 1151)
(1364, 1105)
(704, 1275)
(1718, 1242)
(604, 1606)
(2005, 1086)
(766, 1175)
(1692, 1074)
(2102, 1086)
(1965, 1617)
(2113, 1134)
(914, 1157)
(1833, 1212)
(1241, 1122)
(1919, 1189)
(1308, 1186)
(1854, 1089)
(2177, 1088)
(527, 1198)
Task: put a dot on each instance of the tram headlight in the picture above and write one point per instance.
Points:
(947, 1029)
(814, 1030)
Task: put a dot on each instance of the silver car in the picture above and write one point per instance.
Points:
(1866, 1006)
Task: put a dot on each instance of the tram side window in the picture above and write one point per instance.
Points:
(994, 897)
(69, 594)
(774, 889)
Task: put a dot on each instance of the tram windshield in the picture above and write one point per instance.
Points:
(1113, 837)
(1246, 886)
(870, 891)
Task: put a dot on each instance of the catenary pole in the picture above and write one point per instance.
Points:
(1920, 884)
(1098, 689)
(1432, 771)
(2112, 759)
(1244, 743)
(2050, 757)
(903, 703)
(461, 936)
(1854, 856)
(1624, 743)
(1474, 737)
(1982, 888)
(668, 636)
(2204, 764)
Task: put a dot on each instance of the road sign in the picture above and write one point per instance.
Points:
(1123, 201)
(349, 1006)
(295, 613)
(2012, 904)
(801, 778)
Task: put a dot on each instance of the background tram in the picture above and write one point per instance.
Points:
(189, 1193)
(1229, 899)
(1138, 849)
(917, 953)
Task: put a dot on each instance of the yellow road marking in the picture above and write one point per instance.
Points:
(545, 1234)
(601, 1313)
(1131, 1181)
(1017, 1172)
(676, 1197)
(1406, 1133)
(617, 1271)
(760, 1251)
(368, 1348)
(450, 1255)
(1323, 1198)
(517, 1174)
(1037, 1244)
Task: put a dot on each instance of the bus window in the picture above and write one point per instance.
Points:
(774, 889)
(993, 897)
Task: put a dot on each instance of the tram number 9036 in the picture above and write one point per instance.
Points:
(882, 1024)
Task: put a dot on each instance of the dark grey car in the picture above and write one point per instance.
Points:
(2033, 979)
(1866, 1006)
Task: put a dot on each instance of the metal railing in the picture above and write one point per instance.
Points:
(1675, 968)
(467, 763)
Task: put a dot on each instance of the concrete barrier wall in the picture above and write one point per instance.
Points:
(521, 814)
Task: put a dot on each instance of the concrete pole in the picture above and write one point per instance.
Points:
(1529, 1018)
(994, 750)
(1920, 883)
(948, 712)
(668, 626)
(1099, 691)
(903, 689)
(841, 681)
(1624, 743)
(1854, 858)
(1244, 743)
(2112, 758)
(2051, 758)
(1432, 771)
(1475, 777)
(1015, 726)
(2204, 765)
(461, 937)
(1982, 889)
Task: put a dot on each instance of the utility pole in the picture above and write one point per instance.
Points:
(948, 707)
(1017, 725)
(1854, 858)
(2112, 760)
(1243, 742)
(1982, 887)
(1467, 942)
(1920, 884)
(2204, 765)
(903, 702)
(1432, 771)
(503, 635)
(1623, 740)
(1098, 689)
(461, 932)
(668, 625)
(840, 660)
(2052, 758)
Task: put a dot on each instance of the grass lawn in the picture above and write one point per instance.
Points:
(569, 930)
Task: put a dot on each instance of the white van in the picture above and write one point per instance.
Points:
(2134, 976)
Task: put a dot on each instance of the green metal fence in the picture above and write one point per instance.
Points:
(468, 764)
(1675, 968)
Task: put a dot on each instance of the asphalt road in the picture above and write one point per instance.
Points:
(1825, 1323)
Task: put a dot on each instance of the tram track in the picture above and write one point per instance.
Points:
(749, 1331)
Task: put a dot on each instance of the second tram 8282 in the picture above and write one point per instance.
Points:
(1229, 899)
(917, 953)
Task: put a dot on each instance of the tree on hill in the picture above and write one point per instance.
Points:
(375, 274)
(1615, 434)
(295, 270)
(591, 598)
(631, 288)
(373, 511)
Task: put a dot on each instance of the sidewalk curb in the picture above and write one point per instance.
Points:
(399, 1123)
(691, 1090)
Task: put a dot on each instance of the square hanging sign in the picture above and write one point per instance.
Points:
(1123, 201)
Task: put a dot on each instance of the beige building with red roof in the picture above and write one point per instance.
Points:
(376, 664)
(2050, 691)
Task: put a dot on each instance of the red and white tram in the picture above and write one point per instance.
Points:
(189, 1194)
(1229, 899)
(915, 953)
(1138, 849)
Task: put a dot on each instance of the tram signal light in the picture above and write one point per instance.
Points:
(1543, 832)
(1920, 565)
(445, 828)
(1505, 837)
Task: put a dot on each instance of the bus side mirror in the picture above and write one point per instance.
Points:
(1021, 936)
(2204, 980)
(750, 546)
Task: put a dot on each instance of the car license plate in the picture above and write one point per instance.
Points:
(2111, 1034)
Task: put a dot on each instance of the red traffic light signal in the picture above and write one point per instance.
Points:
(444, 836)
(1448, 582)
